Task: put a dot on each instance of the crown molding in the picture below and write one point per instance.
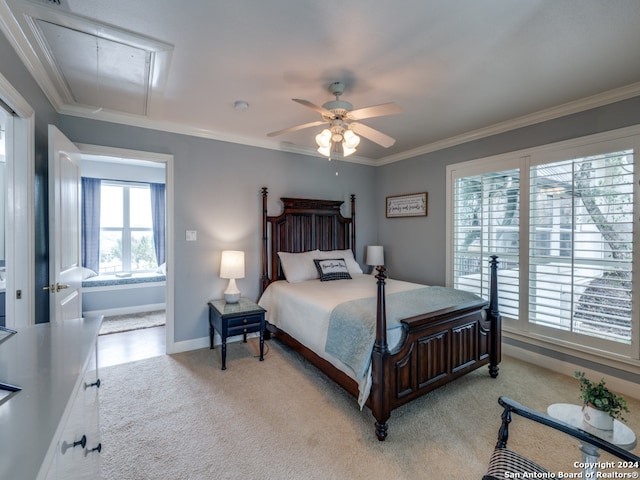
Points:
(18, 40)
(577, 106)
(12, 30)
(559, 111)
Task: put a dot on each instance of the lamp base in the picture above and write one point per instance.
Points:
(232, 294)
(232, 297)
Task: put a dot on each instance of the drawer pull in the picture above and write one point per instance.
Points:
(94, 449)
(94, 384)
(245, 330)
(82, 443)
(244, 321)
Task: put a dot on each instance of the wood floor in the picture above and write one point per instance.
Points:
(125, 347)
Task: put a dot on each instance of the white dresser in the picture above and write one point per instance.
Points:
(51, 429)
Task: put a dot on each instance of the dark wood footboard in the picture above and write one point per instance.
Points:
(436, 348)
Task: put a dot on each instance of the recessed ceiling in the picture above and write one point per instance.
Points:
(459, 70)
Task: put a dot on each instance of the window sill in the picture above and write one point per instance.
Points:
(564, 357)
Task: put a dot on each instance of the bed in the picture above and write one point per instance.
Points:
(385, 341)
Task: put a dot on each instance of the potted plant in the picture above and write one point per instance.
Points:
(601, 406)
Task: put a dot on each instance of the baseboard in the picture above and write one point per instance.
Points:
(153, 307)
(616, 384)
(203, 342)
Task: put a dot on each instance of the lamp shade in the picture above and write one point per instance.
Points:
(232, 264)
(375, 255)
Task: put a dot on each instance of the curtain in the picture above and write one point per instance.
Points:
(91, 223)
(158, 218)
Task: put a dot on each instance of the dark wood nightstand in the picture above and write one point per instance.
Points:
(230, 319)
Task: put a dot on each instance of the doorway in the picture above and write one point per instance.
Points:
(124, 269)
(4, 120)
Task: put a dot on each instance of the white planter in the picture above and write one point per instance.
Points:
(597, 418)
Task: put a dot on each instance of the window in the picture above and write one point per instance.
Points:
(486, 222)
(582, 282)
(561, 220)
(126, 228)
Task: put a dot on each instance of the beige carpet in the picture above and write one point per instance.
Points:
(181, 417)
(132, 321)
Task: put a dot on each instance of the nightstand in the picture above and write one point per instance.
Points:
(230, 319)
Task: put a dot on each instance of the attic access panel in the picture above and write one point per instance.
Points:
(84, 65)
(99, 71)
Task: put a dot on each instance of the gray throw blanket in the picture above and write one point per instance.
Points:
(352, 325)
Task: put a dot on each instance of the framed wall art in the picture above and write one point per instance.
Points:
(411, 205)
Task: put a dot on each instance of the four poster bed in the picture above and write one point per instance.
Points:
(405, 352)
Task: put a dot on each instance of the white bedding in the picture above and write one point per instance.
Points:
(303, 310)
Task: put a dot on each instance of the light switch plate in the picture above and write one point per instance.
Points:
(192, 235)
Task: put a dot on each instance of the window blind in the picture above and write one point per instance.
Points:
(486, 213)
(580, 245)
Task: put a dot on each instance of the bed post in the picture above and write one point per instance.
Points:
(265, 253)
(495, 339)
(353, 225)
(379, 389)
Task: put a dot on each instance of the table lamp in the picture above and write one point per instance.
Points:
(375, 256)
(232, 267)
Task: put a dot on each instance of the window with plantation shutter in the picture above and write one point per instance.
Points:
(486, 222)
(562, 221)
(581, 245)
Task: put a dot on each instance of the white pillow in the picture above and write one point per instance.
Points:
(299, 267)
(352, 265)
(87, 273)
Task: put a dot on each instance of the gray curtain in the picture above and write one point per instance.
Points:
(158, 218)
(91, 223)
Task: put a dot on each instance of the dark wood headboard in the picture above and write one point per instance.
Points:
(304, 224)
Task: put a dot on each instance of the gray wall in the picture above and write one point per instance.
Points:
(415, 247)
(217, 192)
(16, 73)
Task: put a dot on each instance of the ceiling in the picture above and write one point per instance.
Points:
(459, 70)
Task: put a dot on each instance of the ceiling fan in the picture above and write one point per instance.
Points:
(343, 123)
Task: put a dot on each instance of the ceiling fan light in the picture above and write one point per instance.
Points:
(347, 150)
(323, 139)
(326, 151)
(351, 139)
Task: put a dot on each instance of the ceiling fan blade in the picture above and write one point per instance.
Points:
(296, 128)
(374, 111)
(313, 106)
(372, 134)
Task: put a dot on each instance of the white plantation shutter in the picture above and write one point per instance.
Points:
(562, 220)
(486, 212)
(581, 246)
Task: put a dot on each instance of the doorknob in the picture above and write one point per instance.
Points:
(57, 287)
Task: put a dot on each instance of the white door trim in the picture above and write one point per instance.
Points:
(20, 246)
(168, 162)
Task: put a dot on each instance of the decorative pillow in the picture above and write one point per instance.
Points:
(347, 255)
(332, 269)
(87, 273)
(298, 267)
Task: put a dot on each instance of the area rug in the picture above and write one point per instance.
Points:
(133, 321)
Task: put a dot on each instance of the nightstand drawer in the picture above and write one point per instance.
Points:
(242, 329)
(245, 320)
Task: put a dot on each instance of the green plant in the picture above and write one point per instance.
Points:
(600, 397)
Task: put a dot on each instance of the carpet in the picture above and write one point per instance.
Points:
(180, 417)
(132, 321)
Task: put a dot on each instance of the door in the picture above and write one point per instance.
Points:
(65, 294)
